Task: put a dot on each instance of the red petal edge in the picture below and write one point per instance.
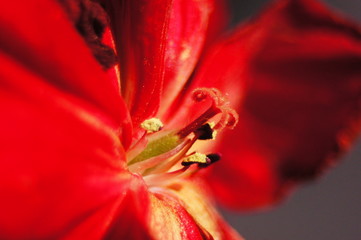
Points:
(301, 87)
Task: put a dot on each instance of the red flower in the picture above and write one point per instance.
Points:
(82, 149)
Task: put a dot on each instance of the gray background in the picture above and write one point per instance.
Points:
(329, 209)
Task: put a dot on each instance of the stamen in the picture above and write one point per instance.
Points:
(164, 156)
(152, 125)
(167, 165)
(195, 158)
(201, 160)
(196, 124)
(206, 132)
(213, 157)
(166, 178)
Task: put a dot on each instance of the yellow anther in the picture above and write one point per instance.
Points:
(196, 158)
(214, 133)
(152, 125)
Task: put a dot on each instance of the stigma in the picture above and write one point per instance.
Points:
(163, 156)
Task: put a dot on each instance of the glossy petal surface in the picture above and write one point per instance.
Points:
(301, 105)
(158, 49)
(188, 30)
(61, 158)
(139, 31)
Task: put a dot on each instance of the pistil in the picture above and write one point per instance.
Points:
(219, 105)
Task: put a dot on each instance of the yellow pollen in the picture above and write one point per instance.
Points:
(214, 133)
(196, 158)
(152, 125)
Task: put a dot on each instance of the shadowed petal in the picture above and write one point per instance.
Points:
(301, 90)
(218, 22)
(43, 39)
(133, 215)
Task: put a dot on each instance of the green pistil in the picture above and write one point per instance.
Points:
(157, 147)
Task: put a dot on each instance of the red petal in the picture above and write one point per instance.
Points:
(194, 197)
(301, 108)
(62, 161)
(126, 217)
(179, 212)
(140, 30)
(222, 62)
(47, 43)
(171, 221)
(188, 29)
(158, 49)
(218, 21)
(133, 214)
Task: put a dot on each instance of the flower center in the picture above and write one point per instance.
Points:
(163, 156)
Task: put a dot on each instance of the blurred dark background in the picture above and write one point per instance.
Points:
(328, 209)
(243, 9)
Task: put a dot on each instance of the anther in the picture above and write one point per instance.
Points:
(212, 158)
(152, 125)
(205, 132)
(195, 158)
